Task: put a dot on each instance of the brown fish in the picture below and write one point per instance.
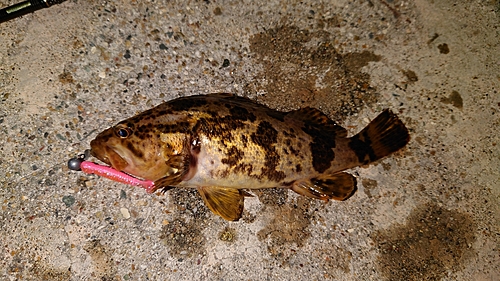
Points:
(222, 144)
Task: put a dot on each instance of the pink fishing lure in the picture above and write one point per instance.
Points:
(112, 174)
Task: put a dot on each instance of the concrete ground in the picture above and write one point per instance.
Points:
(428, 212)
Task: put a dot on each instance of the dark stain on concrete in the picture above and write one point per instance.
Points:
(183, 236)
(16, 266)
(432, 242)
(369, 186)
(386, 166)
(411, 76)
(434, 37)
(288, 230)
(45, 271)
(272, 196)
(454, 99)
(183, 239)
(355, 61)
(443, 48)
(104, 264)
(293, 68)
(188, 202)
(66, 78)
(333, 258)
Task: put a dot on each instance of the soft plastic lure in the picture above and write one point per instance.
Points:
(79, 164)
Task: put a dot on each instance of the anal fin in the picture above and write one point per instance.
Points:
(225, 202)
(338, 186)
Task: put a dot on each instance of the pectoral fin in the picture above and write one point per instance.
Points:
(339, 186)
(225, 202)
(166, 183)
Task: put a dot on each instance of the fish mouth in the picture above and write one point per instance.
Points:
(108, 155)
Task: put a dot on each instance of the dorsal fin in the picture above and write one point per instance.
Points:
(318, 119)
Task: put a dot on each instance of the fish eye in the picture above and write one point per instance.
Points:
(123, 132)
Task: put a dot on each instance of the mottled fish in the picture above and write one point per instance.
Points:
(222, 144)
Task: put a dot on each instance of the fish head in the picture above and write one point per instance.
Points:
(139, 150)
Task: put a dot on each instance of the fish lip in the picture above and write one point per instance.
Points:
(98, 151)
(102, 158)
(109, 155)
(117, 160)
(107, 160)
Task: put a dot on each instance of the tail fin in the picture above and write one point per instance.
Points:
(384, 135)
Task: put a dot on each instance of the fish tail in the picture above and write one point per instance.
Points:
(384, 135)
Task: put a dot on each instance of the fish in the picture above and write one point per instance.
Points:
(225, 145)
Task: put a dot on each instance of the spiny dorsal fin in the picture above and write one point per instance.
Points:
(225, 202)
(319, 119)
(339, 186)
